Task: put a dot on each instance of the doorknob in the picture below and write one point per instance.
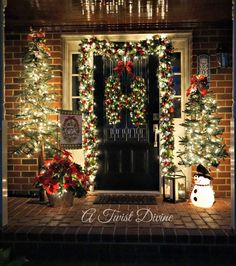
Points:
(156, 132)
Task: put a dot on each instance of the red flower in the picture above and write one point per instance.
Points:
(171, 109)
(52, 188)
(56, 158)
(59, 174)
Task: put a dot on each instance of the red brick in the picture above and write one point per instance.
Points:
(224, 187)
(13, 61)
(21, 180)
(219, 181)
(224, 83)
(13, 187)
(14, 161)
(11, 74)
(57, 61)
(27, 187)
(13, 174)
(217, 77)
(57, 48)
(21, 168)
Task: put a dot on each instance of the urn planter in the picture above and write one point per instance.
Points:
(61, 200)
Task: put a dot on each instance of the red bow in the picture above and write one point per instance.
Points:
(121, 66)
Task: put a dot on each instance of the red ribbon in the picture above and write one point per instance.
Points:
(121, 66)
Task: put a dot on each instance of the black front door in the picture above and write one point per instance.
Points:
(129, 155)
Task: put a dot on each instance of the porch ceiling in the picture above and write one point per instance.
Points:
(129, 13)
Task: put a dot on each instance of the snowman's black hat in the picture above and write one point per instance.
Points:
(202, 170)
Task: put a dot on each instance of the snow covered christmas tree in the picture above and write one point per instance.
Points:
(36, 133)
(202, 142)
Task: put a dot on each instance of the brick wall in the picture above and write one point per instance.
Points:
(21, 171)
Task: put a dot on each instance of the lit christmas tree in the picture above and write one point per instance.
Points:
(202, 142)
(36, 133)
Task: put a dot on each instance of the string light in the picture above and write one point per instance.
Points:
(202, 142)
(35, 99)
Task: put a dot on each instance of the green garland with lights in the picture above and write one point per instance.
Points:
(115, 101)
(159, 46)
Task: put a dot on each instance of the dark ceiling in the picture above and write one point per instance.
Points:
(112, 14)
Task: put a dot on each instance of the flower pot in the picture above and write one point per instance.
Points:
(58, 200)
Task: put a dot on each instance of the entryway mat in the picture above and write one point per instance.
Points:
(126, 199)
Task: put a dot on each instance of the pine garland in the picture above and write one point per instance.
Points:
(155, 46)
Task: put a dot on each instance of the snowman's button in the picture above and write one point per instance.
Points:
(195, 198)
(195, 190)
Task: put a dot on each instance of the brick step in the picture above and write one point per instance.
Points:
(159, 239)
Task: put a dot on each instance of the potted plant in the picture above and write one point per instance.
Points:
(62, 179)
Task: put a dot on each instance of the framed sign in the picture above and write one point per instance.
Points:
(71, 129)
(203, 65)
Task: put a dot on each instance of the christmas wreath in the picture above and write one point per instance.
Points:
(115, 101)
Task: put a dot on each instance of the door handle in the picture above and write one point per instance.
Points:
(156, 132)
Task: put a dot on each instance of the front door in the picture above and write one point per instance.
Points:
(128, 154)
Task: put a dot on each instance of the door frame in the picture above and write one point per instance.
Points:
(182, 41)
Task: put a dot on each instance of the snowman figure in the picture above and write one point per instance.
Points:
(202, 194)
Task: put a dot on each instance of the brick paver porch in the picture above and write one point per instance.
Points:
(27, 212)
(191, 231)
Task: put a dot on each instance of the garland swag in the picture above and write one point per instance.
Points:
(159, 46)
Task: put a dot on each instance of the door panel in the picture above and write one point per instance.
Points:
(128, 159)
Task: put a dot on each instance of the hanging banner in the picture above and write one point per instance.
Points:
(71, 129)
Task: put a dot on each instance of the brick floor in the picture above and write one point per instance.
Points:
(28, 212)
(33, 226)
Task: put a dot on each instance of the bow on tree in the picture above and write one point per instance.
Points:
(198, 84)
(122, 66)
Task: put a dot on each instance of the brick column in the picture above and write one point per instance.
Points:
(233, 142)
(3, 123)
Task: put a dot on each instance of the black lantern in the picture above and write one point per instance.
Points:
(174, 187)
(222, 57)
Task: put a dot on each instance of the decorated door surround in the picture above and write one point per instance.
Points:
(71, 44)
(159, 46)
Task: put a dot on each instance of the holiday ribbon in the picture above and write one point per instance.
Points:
(198, 83)
(122, 66)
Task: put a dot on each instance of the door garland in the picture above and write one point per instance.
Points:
(159, 46)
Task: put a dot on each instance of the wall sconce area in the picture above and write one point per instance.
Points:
(223, 57)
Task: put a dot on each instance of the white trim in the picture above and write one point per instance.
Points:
(3, 126)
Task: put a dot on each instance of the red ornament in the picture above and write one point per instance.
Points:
(171, 109)
(203, 91)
